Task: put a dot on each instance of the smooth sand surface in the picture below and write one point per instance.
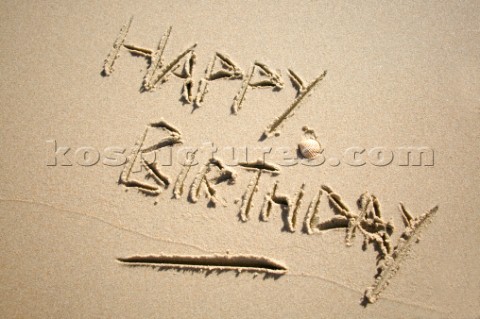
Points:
(402, 74)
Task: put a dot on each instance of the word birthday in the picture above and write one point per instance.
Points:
(367, 220)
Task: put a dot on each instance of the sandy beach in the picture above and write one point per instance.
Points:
(275, 159)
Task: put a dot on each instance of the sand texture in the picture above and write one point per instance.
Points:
(240, 159)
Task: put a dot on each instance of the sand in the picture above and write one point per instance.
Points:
(121, 198)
